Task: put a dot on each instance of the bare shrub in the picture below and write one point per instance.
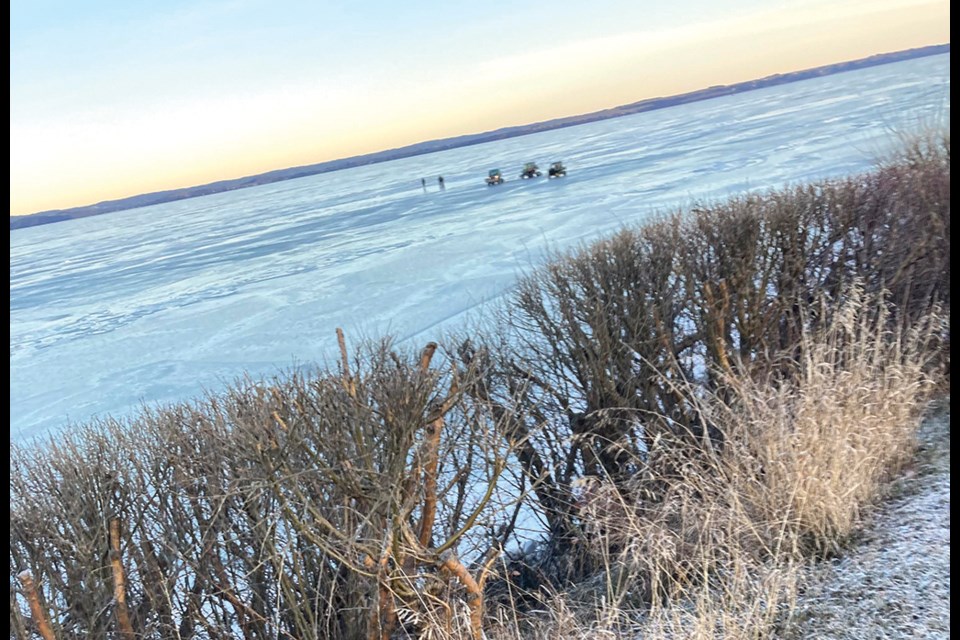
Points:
(677, 414)
(715, 553)
(610, 346)
(367, 502)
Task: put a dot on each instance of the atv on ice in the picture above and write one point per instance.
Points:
(531, 170)
(494, 177)
(557, 170)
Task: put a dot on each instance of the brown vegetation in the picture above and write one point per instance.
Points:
(690, 408)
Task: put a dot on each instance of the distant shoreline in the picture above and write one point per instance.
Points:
(431, 146)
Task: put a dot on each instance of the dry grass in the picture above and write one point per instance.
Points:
(720, 548)
(820, 449)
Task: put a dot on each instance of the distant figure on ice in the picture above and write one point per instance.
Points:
(423, 181)
(443, 187)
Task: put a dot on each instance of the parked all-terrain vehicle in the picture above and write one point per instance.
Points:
(557, 170)
(531, 170)
(494, 177)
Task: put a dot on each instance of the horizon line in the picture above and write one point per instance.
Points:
(557, 123)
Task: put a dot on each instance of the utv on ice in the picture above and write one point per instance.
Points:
(494, 177)
(557, 170)
(531, 170)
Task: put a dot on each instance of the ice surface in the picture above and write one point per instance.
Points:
(153, 305)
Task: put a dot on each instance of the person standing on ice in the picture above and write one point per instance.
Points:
(443, 187)
(423, 181)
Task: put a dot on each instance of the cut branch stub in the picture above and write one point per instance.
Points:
(431, 461)
(431, 457)
(39, 615)
(348, 382)
(427, 356)
(119, 582)
(384, 615)
(450, 562)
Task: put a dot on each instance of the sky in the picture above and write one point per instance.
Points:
(110, 98)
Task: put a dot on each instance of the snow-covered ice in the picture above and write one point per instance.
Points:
(159, 303)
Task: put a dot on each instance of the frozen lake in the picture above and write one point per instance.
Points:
(156, 304)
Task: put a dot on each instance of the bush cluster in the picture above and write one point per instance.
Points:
(626, 402)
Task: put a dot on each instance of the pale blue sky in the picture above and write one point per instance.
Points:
(111, 99)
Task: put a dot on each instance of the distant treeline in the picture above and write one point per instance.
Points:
(431, 146)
